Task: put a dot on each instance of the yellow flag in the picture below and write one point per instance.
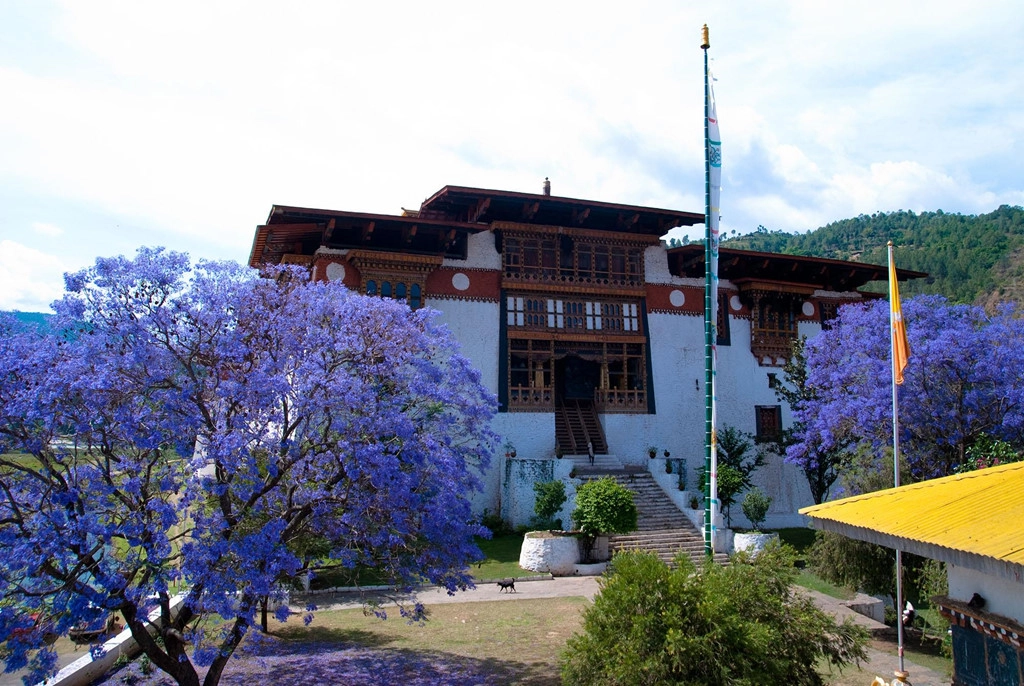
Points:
(900, 347)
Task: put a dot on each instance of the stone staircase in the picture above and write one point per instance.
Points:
(576, 424)
(661, 527)
(603, 465)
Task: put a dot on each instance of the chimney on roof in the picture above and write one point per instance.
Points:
(547, 186)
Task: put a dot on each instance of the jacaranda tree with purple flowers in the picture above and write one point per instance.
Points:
(195, 431)
(964, 382)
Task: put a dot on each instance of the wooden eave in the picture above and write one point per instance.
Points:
(821, 272)
(462, 204)
(299, 230)
(746, 285)
(520, 228)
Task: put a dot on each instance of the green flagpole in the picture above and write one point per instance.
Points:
(708, 380)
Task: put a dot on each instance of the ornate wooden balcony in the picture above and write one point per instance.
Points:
(615, 400)
(530, 399)
(771, 348)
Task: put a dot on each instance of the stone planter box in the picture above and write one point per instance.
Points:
(595, 569)
(544, 551)
(752, 543)
(559, 553)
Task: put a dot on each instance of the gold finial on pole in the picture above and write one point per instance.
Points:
(705, 42)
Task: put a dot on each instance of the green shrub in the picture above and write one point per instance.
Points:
(855, 564)
(741, 624)
(550, 496)
(735, 469)
(603, 507)
(755, 507)
(494, 522)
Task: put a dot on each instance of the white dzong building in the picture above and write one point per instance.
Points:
(584, 324)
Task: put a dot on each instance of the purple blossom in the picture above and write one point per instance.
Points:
(964, 380)
(203, 429)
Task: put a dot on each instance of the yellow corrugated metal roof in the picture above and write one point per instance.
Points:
(981, 512)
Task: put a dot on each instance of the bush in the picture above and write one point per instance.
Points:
(755, 507)
(603, 507)
(494, 522)
(735, 469)
(740, 624)
(550, 496)
(855, 564)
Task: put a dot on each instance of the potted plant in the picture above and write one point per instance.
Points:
(652, 450)
(559, 452)
(666, 454)
(694, 503)
(755, 508)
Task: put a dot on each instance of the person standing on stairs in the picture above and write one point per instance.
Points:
(590, 451)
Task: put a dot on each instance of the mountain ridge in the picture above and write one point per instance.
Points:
(976, 259)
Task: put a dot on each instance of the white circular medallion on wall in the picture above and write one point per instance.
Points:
(734, 303)
(335, 271)
(460, 281)
(808, 309)
(677, 298)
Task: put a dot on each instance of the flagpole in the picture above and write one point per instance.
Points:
(895, 331)
(710, 471)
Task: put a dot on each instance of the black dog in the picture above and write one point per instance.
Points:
(507, 585)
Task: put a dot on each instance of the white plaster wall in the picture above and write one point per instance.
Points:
(474, 326)
(533, 436)
(532, 433)
(1002, 597)
(481, 253)
(677, 362)
(518, 497)
(678, 371)
(656, 269)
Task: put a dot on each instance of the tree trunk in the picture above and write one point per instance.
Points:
(183, 672)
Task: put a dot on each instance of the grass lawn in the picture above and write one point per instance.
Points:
(518, 642)
(501, 558)
(801, 539)
(816, 583)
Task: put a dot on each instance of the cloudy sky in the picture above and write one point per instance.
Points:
(129, 123)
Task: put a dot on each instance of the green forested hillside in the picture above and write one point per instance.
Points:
(968, 258)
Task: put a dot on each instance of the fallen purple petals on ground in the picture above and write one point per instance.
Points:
(276, 661)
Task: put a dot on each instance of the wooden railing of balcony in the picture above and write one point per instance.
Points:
(616, 400)
(529, 398)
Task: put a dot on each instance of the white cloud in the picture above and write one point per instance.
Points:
(904, 185)
(777, 212)
(27, 278)
(48, 230)
(187, 121)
